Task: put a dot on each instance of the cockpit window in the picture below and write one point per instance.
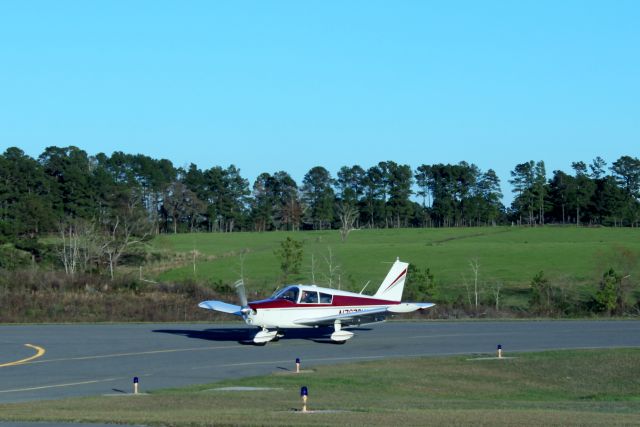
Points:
(309, 297)
(290, 294)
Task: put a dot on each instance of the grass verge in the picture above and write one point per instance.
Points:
(587, 387)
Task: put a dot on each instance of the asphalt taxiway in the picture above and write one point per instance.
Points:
(55, 361)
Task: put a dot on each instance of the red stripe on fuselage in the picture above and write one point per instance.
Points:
(338, 301)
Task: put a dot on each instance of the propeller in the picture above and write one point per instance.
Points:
(242, 295)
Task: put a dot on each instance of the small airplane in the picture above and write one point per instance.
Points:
(310, 306)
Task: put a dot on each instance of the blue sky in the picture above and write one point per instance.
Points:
(279, 85)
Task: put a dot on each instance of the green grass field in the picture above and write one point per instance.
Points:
(588, 387)
(510, 255)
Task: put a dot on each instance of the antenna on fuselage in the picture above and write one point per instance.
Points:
(365, 287)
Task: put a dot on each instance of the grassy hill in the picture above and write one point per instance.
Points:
(570, 257)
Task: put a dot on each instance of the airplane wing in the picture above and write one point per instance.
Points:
(355, 318)
(363, 317)
(222, 307)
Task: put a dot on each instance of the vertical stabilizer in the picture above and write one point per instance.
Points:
(393, 285)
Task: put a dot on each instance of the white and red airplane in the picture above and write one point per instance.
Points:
(310, 306)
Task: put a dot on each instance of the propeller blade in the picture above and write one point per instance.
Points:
(241, 293)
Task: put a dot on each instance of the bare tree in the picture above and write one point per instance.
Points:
(69, 252)
(128, 228)
(79, 245)
(194, 257)
(348, 215)
(467, 288)
(242, 256)
(332, 267)
(313, 269)
(495, 289)
(475, 268)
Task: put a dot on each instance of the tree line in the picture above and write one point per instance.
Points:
(593, 194)
(136, 195)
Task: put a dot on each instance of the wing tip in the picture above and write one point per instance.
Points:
(222, 307)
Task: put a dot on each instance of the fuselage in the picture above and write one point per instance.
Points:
(301, 302)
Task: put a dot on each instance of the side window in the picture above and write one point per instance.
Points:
(325, 298)
(309, 297)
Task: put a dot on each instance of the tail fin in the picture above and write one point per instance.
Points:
(393, 285)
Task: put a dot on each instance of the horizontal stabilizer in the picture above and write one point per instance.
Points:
(222, 307)
(408, 307)
(423, 305)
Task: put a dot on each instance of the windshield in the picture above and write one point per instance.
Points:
(290, 293)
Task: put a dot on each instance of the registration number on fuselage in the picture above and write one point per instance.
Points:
(350, 310)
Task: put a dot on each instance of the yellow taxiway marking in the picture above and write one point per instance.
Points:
(39, 352)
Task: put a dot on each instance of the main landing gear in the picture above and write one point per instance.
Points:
(339, 335)
(264, 336)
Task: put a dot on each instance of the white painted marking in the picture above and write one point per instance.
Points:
(239, 388)
(16, 390)
(141, 353)
(482, 334)
(491, 358)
